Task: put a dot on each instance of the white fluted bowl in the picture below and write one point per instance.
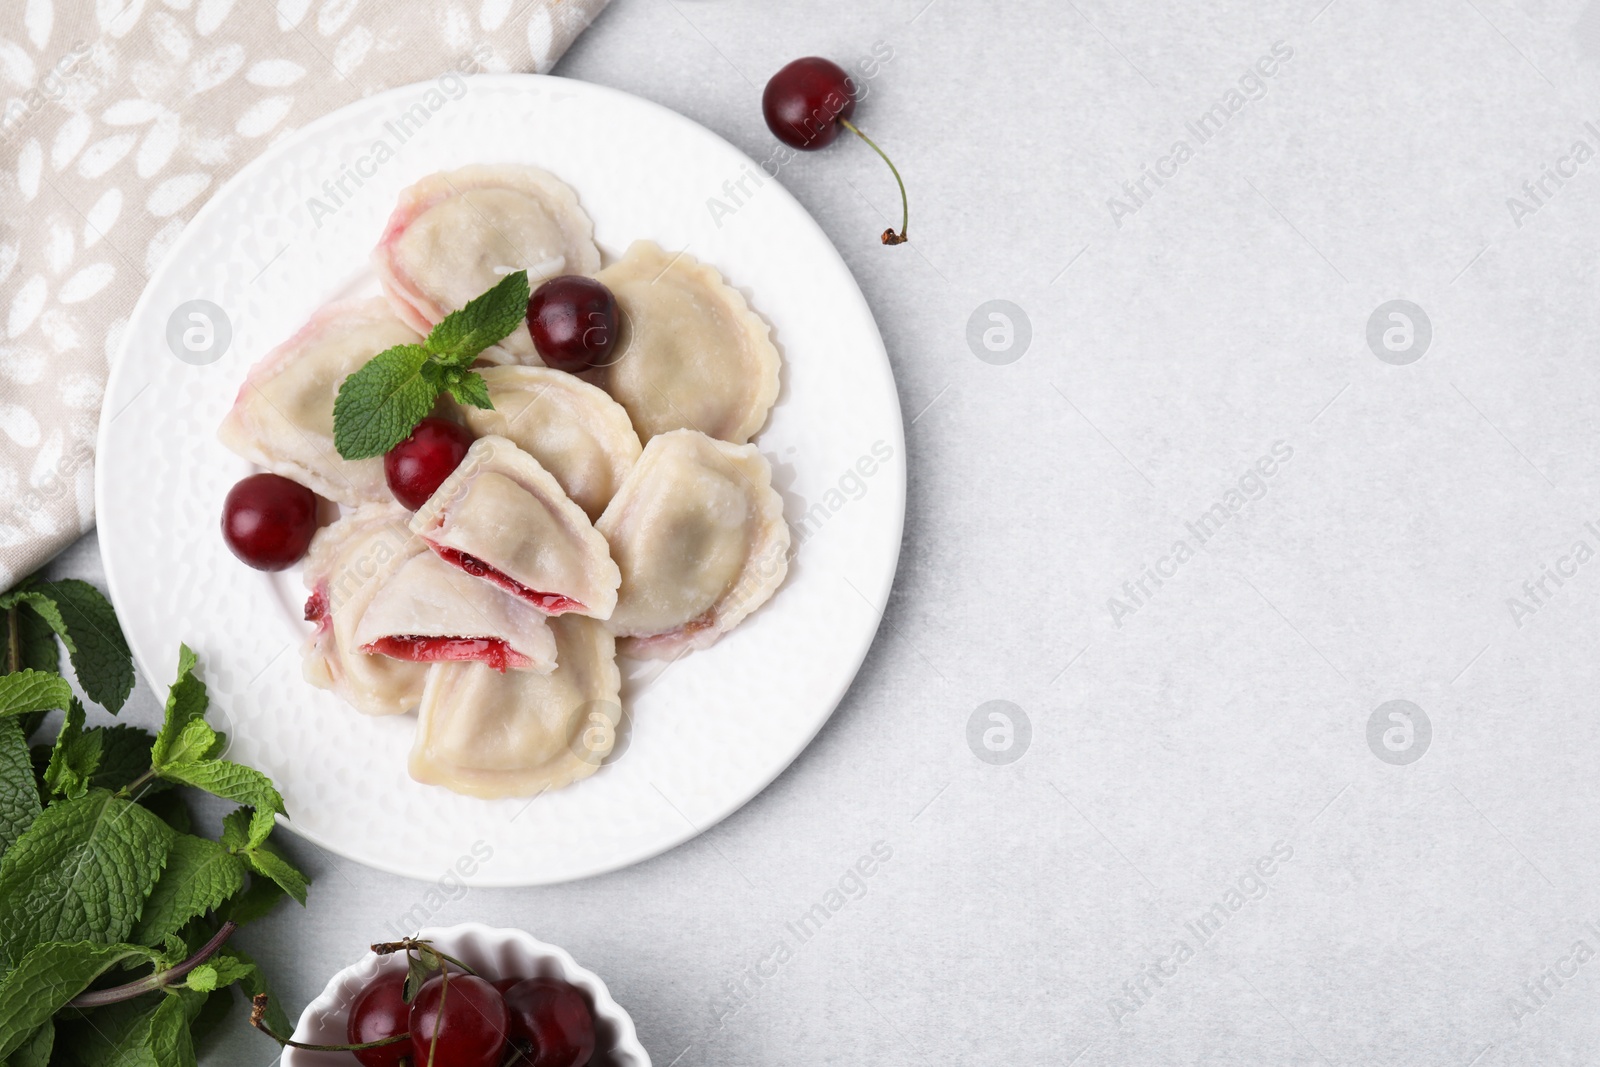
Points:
(494, 954)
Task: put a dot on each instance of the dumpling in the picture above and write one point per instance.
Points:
(520, 734)
(692, 355)
(502, 517)
(454, 235)
(349, 562)
(429, 612)
(575, 431)
(698, 532)
(283, 416)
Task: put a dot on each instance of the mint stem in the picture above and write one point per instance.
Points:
(128, 790)
(13, 640)
(159, 980)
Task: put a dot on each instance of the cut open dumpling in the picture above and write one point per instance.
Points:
(453, 235)
(283, 416)
(692, 355)
(519, 734)
(575, 431)
(349, 562)
(503, 518)
(698, 533)
(429, 612)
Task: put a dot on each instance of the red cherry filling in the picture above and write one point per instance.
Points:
(267, 521)
(417, 466)
(573, 320)
(549, 603)
(462, 1024)
(554, 1020)
(317, 606)
(418, 649)
(380, 1012)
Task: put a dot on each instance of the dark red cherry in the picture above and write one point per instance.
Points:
(804, 102)
(504, 984)
(573, 321)
(554, 1019)
(379, 1012)
(417, 466)
(267, 521)
(807, 102)
(470, 1020)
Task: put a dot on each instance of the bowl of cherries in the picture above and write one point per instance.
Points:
(463, 996)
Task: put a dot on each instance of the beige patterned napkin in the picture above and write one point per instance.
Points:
(121, 117)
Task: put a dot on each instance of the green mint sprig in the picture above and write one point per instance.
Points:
(380, 404)
(114, 913)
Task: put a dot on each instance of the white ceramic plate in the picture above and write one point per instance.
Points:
(494, 954)
(700, 739)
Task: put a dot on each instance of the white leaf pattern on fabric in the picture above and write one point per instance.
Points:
(263, 116)
(26, 305)
(99, 219)
(30, 162)
(70, 139)
(275, 73)
(158, 145)
(193, 86)
(103, 155)
(38, 18)
(86, 283)
(172, 195)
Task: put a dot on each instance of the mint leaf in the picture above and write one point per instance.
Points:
(89, 629)
(186, 702)
(264, 859)
(219, 972)
(35, 1050)
(487, 318)
(19, 794)
(37, 641)
(45, 979)
(124, 756)
(167, 1038)
(471, 389)
(76, 756)
(255, 902)
(233, 781)
(82, 871)
(378, 405)
(27, 691)
(199, 876)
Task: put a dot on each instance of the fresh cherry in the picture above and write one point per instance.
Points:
(806, 102)
(554, 1020)
(417, 466)
(380, 1012)
(469, 1017)
(573, 321)
(267, 521)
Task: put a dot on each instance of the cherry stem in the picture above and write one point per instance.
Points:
(159, 980)
(385, 948)
(258, 1012)
(889, 236)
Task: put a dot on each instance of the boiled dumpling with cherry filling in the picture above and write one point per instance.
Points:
(283, 416)
(519, 734)
(698, 532)
(453, 235)
(349, 562)
(503, 518)
(692, 354)
(429, 612)
(575, 431)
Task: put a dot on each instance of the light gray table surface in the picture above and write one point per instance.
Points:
(1216, 841)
